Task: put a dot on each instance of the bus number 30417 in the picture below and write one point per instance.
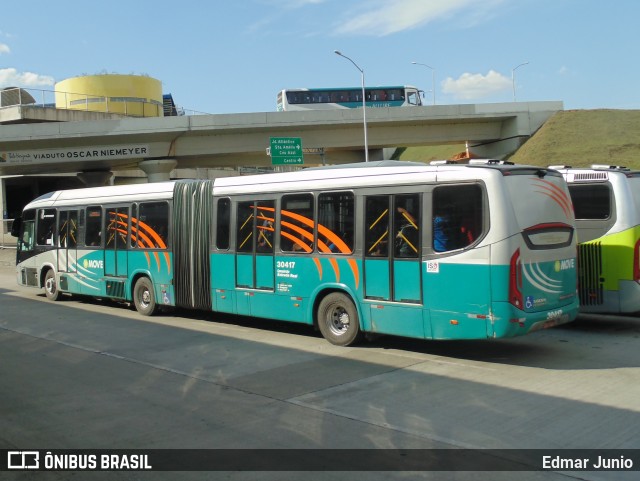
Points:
(286, 264)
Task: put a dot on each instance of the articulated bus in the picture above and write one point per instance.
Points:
(607, 210)
(432, 252)
(347, 98)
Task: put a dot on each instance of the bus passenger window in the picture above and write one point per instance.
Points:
(457, 216)
(591, 201)
(152, 225)
(28, 229)
(92, 236)
(223, 223)
(296, 223)
(336, 218)
(46, 227)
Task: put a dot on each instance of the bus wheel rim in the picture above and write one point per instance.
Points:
(50, 285)
(145, 298)
(339, 321)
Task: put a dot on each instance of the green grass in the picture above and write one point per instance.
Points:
(578, 138)
(428, 153)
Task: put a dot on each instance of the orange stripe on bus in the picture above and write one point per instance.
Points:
(356, 272)
(318, 266)
(329, 234)
(297, 241)
(306, 234)
(336, 268)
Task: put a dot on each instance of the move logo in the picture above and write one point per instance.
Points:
(93, 263)
(565, 264)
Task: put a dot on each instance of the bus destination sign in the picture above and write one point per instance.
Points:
(286, 151)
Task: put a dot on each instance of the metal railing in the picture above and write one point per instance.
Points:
(129, 106)
(7, 241)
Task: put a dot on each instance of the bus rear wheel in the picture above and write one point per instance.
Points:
(338, 320)
(51, 286)
(143, 297)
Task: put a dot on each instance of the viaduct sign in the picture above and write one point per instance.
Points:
(106, 152)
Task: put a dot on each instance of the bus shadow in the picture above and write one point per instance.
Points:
(584, 344)
(587, 343)
(605, 324)
(590, 342)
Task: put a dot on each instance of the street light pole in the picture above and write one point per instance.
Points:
(364, 106)
(433, 79)
(513, 78)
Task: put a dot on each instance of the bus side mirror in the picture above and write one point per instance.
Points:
(15, 227)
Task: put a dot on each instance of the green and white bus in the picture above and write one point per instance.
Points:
(607, 210)
(347, 98)
(432, 252)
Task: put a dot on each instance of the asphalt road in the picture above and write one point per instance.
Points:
(81, 374)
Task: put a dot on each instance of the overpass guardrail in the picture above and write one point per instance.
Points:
(129, 106)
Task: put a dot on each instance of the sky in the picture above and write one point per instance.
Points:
(234, 56)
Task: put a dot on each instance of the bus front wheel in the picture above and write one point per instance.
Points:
(51, 286)
(338, 320)
(143, 297)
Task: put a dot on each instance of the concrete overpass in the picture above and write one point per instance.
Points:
(58, 141)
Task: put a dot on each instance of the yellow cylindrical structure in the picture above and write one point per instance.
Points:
(133, 95)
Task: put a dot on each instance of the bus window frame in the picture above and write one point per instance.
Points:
(593, 185)
(216, 226)
(52, 230)
(85, 214)
(135, 212)
(483, 225)
(28, 219)
(279, 220)
(350, 237)
(106, 242)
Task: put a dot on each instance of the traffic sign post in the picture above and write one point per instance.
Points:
(286, 151)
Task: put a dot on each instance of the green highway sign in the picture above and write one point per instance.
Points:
(286, 151)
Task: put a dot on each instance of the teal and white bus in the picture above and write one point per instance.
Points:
(347, 98)
(432, 252)
(607, 210)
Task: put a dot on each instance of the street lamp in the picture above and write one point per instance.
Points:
(433, 79)
(513, 78)
(364, 106)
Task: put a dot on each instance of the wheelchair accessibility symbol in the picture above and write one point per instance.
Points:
(528, 303)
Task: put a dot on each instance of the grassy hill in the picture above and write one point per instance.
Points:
(575, 137)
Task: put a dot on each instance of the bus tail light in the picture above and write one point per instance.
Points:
(636, 261)
(515, 280)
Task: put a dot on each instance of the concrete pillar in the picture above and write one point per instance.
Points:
(376, 154)
(158, 170)
(97, 178)
(4, 226)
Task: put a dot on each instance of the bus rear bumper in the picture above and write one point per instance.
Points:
(514, 322)
(625, 300)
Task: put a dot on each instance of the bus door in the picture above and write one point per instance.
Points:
(116, 234)
(67, 241)
(392, 264)
(254, 251)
